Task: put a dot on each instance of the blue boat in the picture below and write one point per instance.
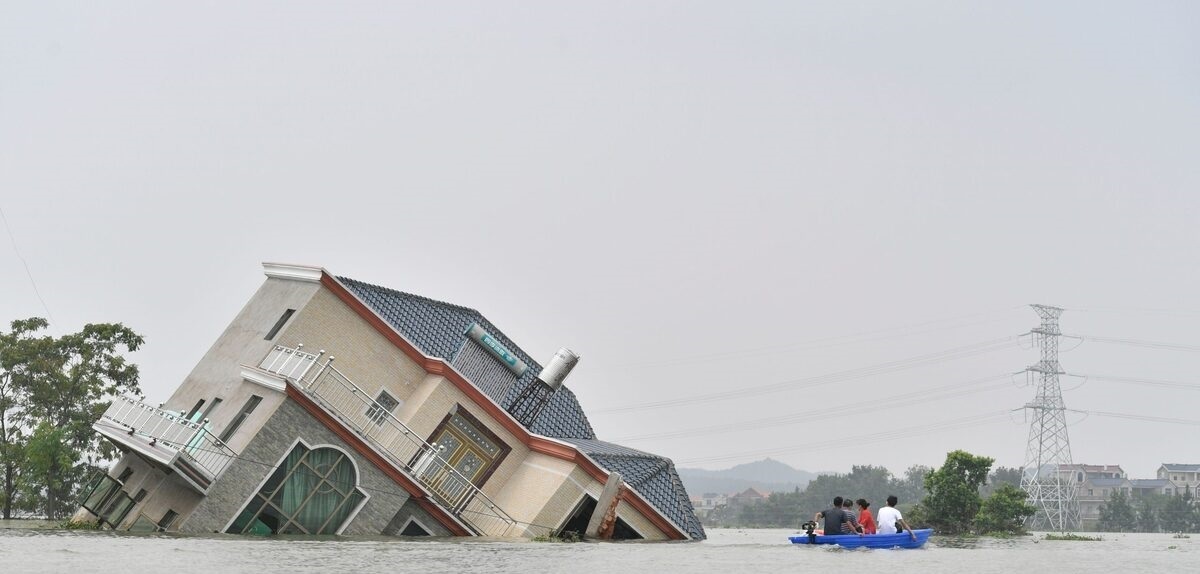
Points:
(898, 540)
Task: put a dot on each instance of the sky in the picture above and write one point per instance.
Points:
(808, 231)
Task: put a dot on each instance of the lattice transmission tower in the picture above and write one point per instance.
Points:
(1047, 477)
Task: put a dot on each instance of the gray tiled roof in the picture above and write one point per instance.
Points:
(1171, 466)
(653, 476)
(1150, 482)
(438, 330)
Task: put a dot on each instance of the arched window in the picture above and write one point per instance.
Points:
(312, 492)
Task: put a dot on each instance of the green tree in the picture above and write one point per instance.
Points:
(19, 349)
(58, 387)
(1117, 514)
(1004, 511)
(1002, 475)
(1147, 515)
(953, 500)
(1176, 513)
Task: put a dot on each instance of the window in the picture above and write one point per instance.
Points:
(279, 324)
(140, 495)
(414, 528)
(384, 404)
(125, 474)
(167, 520)
(216, 401)
(195, 409)
(94, 496)
(311, 492)
(251, 404)
(1089, 492)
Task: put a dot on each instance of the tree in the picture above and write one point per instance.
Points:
(1118, 514)
(1147, 516)
(1004, 511)
(953, 500)
(18, 352)
(1177, 514)
(54, 389)
(1002, 475)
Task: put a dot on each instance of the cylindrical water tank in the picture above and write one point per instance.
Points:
(558, 368)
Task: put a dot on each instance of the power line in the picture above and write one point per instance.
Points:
(1142, 381)
(883, 436)
(1144, 418)
(837, 377)
(901, 400)
(28, 273)
(1138, 343)
(814, 344)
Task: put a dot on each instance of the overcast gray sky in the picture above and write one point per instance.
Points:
(698, 197)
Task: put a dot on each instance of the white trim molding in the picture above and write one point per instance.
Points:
(260, 377)
(293, 272)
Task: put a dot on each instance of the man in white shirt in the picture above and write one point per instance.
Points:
(889, 517)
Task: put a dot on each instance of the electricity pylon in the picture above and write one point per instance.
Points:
(1047, 476)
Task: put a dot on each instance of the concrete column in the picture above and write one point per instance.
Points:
(603, 518)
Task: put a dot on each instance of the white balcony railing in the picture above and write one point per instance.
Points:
(392, 438)
(172, 430)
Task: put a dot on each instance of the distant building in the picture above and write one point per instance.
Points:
(1185, 478)
(1095, 484)
(1147, 486)
(747, 497)
(709, 502)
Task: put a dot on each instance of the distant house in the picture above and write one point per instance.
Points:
(1146, 486)
(709, 502)
(747, 497)
(1095, 483)
(1184, 477)
(430, 421)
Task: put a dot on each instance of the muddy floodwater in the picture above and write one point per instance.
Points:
(25, 549)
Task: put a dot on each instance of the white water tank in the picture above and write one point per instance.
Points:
(558, 368)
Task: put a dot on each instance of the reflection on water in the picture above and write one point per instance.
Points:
(727, 551)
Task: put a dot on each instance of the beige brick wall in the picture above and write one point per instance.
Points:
(362, 353)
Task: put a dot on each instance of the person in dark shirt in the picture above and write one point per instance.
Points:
(834, 517)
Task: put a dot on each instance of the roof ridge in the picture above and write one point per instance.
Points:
(413, 295)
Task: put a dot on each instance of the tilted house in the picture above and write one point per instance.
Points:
(332, 406)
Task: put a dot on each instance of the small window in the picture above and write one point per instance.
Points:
(251, 404)
(195, 409)
(384, 404)
(211, 406)
(279, 324)
(167, 520)
(413, 528)
(140, 495)
(125, 474)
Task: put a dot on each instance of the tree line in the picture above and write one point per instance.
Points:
(1149, 513)
(51, 391)
(963, 495)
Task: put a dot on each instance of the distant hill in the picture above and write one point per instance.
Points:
(766, 475)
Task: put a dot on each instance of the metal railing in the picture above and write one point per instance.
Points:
(288, 362)
(172, 430)
(400, 445)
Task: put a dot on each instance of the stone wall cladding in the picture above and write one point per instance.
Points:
(274, 440)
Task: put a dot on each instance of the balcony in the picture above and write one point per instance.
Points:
(166, 439)
(402, 447)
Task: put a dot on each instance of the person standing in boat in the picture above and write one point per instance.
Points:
(889, 519)
(834, 517)
(864, 516)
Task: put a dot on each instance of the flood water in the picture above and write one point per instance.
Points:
(24, 549)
